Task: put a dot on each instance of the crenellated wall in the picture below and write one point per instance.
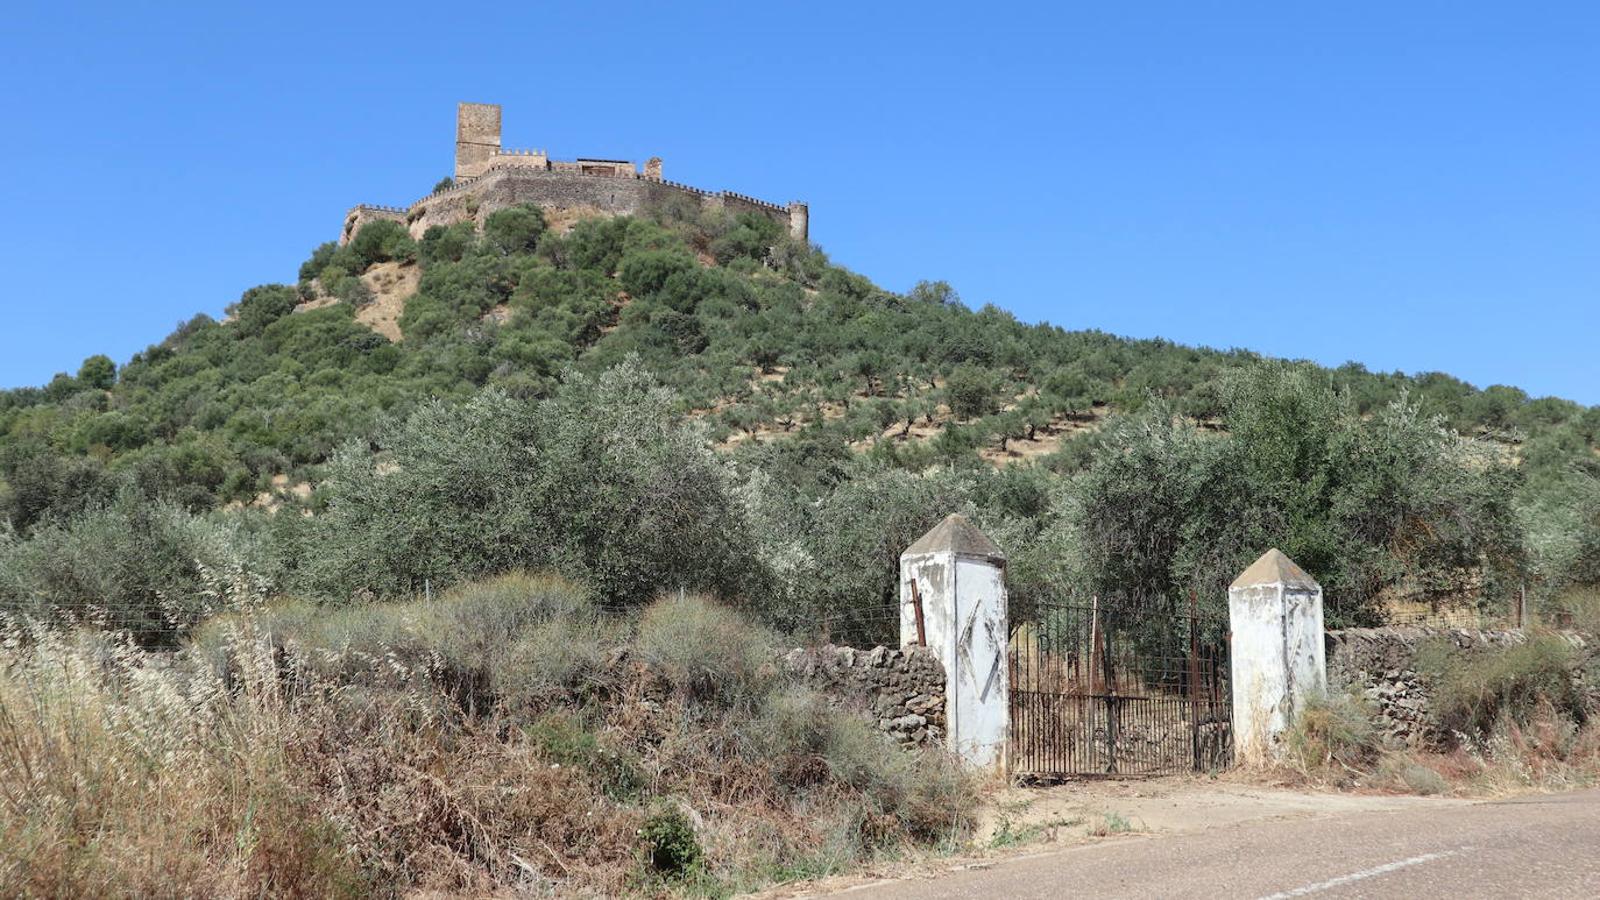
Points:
(488, 178)
(361, 215)
(501, 186)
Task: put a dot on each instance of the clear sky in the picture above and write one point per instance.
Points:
(1412, 185)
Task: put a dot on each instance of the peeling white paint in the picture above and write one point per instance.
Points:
(1277, 654)
(964, 618)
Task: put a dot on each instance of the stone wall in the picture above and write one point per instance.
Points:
(502, 186)
(525, 159)
(1380, 664)
(902, 692)
(361, 215)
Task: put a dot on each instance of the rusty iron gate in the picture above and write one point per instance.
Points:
(1118, 687)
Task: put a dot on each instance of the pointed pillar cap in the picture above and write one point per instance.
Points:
(1275, 568)
(959, 536)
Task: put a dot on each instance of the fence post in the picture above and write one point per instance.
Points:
(958, 574)
(1275, 615)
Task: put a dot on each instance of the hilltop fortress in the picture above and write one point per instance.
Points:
(488, 178)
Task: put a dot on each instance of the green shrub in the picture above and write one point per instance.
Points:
(521, 640)
(646, 273)
(709, 651)
(1333, 730)
(1473, 690)
(599, 483)
(670, 845)
(98, 372)
(130, 564)
(562, 739)
(514, 230)
(973, 392)
(446, 244)
(263, 305)
(808, 740)
(381, 240)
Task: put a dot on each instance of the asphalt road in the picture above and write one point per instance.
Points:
(1540, 846)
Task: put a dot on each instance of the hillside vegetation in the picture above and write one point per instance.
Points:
(506, 739)
(699, 403)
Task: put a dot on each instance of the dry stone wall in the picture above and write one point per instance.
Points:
(900, 691)
(1380, 664)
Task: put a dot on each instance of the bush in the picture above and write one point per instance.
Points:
(1333, 730)
(131, 565)
(808, 740)
(98, 372)
(563, 740)
(381, 240)
(442, 244)
(515, 230)
(973, 392)
(708, 651)
(1423, 780)
(261, 306)
(599, 483)
(337, 740)
(646, 273)
(520, 641)
(1473, 691)
(670, 844)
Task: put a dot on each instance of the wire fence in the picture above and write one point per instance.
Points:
(164, 622)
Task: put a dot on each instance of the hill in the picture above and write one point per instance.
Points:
(845, 419)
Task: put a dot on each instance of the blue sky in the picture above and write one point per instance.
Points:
(1413, 186)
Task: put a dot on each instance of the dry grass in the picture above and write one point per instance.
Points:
(392, 284)
(442, 747)
(1517, 719)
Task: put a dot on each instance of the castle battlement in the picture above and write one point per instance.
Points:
(489, 177)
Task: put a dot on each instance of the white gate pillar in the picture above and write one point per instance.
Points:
(953, 577)
(1275, 614)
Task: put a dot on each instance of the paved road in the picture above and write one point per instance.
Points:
(1542, 846)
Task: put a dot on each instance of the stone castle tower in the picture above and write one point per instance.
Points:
(477, 138)
(489, 177)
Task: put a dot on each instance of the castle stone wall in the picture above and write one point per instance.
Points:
(488, 178)
(358, 217)
(504, 186)
(522, 159)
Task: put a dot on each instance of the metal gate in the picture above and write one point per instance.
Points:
(1118, 687)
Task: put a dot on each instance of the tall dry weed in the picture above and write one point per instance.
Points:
(303, 751)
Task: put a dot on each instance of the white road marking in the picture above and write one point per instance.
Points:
(1384, 869)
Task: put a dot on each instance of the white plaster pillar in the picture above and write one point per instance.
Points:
(958, 574)
(1275, 614)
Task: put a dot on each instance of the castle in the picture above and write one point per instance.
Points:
(488, 177)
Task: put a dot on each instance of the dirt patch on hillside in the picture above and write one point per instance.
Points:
(392, 284)
(281, 492)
